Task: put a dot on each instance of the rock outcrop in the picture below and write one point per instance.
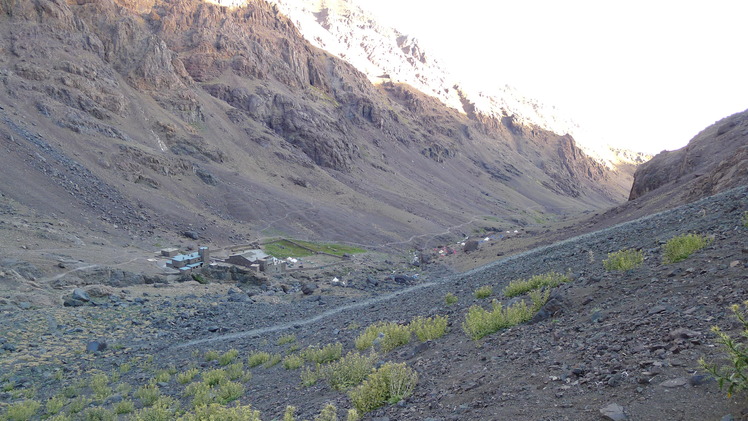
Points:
(714, 160)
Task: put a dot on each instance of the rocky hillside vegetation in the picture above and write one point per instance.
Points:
(151, 118)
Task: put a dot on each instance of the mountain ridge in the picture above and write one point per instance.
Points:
(197, 114)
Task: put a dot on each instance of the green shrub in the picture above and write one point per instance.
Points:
(274, 359)
(309, 376)
(164, 409)
(290, 413)
(54, 405)
(162, 376)
(328, 413)
(352, 415)
(483, 292)
(228, 357)
(427, 329)
(480, 322)
(286, 339)
(349, 371)
(257, 358)
(450, 299)
(78, 404)
(624, 260)
(213, 377)
(148, 394)
(229, 391)
(125, 406)
(389, 335)
(292, 362)
(215, 412)
(236, 371)
(212, 355)
(745, 219)
(99, 385)
(683, 246)
(549, 280)
(98, 414)
(125, 368)
(22, 411)
(325, 354)
(735, 375)
(389, 384)
(201, 393)
(187, 376)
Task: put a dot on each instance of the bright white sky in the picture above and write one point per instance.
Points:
(648, 74)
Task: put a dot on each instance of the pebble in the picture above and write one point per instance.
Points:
(613, 412)
(677, 382)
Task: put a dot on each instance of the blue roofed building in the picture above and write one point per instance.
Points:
(187, 263)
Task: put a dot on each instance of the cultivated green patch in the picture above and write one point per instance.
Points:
(284, 248)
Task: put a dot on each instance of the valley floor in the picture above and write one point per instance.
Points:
(627, 341)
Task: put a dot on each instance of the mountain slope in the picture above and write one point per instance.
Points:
(149, 118)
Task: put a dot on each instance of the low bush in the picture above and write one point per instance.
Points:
(735, 375)
(309, 376)
(54, 405)
(98, 414)
(211, 355)
(546, 280)
(325, 354)
(215, 411)
(483, 292)
(257, 358)
(328, 413)
(214, 377)
(388, 335)
(229, 391)
(290, 413)
(480, 322)
(427, 329)
(99, 385)
(389, 384)
(187, 376)
(624, 260)
(148, 394)
(228, 357)
(450, 299)
(683, 246)
(273, 360)
(125, 406)
(236, 371)
(745, 219)
(286, 339)
(22, 411)
(164, 409)
(292, 362)
(349, 371)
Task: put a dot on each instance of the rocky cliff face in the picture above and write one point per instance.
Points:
(713, 161)
(185, 114)
(385, 54)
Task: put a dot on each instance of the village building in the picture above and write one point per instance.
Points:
(257, 260)
(187, 263)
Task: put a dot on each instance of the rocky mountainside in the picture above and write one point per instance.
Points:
(148, 118)
(385, 54)
(714, 160)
